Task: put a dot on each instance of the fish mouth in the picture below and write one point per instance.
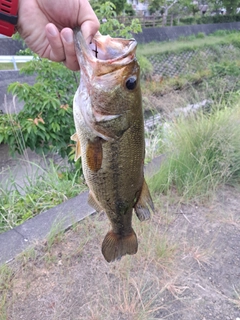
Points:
(103, 53)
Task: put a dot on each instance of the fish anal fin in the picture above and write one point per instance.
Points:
(94, 154)
(93, 202)
(144, 202)
(115, 246)
(75, 138)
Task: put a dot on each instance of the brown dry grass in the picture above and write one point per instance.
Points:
(175, 274)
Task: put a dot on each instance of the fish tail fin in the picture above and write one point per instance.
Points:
(115, 246)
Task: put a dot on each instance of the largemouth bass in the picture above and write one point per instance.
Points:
(109, 125)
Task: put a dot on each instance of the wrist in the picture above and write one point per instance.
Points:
(8, 16)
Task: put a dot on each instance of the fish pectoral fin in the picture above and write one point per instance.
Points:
(115, 246)
(94, 154)
(144, 202)
(75, 138)
(92, 201)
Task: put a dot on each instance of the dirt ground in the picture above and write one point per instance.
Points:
(187, 267)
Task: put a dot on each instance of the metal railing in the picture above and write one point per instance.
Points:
(15, 59)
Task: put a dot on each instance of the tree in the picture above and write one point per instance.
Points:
(119, 5)
(106, 13)
(162, 5)
(154, 6)
(128, 9)
(192, 6)
(231, 6)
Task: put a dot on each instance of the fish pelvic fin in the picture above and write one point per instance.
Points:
(115, 246)
(144, 202)
(75, 138)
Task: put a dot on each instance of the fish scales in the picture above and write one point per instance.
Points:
(109, 125)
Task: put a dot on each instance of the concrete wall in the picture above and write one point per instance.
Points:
(7, 77)
(9, 46)
(173, 33)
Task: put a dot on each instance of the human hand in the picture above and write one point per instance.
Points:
(46, 26)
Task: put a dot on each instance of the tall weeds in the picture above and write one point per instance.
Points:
(203, 152)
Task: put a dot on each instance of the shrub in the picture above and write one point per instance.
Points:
(46, 122)
(188, 20)
(218, 19)
(200, 35)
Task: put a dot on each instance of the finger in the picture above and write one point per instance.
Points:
(88, 21)
(71, 61)
(55, 51)
(89, 29)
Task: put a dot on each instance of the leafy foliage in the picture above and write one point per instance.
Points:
(118, 5)
(128, 9)
(231, 5)
(107, 14)
(46, 122)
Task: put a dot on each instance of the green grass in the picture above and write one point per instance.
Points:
(188, 43)
(54, 186)
(203, 152)
(10, 66)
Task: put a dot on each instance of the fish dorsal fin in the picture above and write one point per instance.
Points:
(93, 202)
(75, 138)
(144, 202)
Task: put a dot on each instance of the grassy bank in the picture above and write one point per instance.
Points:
(181, 270)
(189, 77)
(202, 153)
(203, 148)
(220, 37)
(40, 192)
(10, 66)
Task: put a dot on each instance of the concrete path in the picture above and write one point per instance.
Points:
(38, 228)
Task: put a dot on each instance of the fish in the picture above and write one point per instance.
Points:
(108, 117)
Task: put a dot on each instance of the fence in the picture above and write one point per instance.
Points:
(148, 21)
(15, 59)
(189, 62)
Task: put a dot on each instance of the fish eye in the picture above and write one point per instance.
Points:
(131, 83)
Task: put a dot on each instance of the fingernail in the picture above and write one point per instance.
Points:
(67, 36)
(52, 30)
